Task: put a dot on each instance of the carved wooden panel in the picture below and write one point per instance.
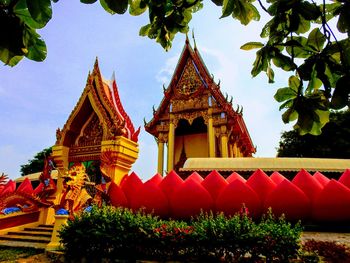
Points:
(189, 81)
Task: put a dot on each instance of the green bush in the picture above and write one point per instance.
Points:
(116, 233)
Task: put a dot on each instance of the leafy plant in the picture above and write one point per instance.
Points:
(332, 143)
(119, 233)
(299, 39)
(37, 163)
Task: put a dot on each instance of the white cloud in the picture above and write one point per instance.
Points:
(164, 74)
(146, 165)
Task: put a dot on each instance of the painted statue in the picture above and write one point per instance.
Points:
(74, 197)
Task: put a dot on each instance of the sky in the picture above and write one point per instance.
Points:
(36, 98)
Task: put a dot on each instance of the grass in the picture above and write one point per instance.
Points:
(9, 253)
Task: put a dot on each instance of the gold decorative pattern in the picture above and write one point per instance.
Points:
(83, 153)
(191, 116)
(189, 81)
(92, 133)
(190, 104)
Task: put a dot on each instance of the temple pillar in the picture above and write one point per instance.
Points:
(171, 144)
(211, 134)
(224, 142)
(124, 153)
(60, 157)
(235, 150)
(160, 154)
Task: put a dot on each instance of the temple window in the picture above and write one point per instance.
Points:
(222, 116)
(209, 101)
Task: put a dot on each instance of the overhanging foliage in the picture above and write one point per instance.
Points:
(299, 39)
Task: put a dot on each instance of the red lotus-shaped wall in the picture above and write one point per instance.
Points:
(290, 200)
(306, 197)
(333, 203)
(235, 195)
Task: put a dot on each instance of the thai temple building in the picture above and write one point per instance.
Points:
(96, 147)
(97, 123)
(195, 119)
(207, 140)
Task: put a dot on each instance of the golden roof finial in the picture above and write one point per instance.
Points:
(187, 41)
(194, 39)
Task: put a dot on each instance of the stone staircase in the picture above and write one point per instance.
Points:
(35, 237)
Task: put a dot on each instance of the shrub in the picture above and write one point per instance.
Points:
(278, 239)
(107, 233)
(117, 233)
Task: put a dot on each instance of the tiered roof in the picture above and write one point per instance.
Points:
(191, 59)
(100, 107)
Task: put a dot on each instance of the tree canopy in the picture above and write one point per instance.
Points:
(332, 143)
(309, 39)
(37, 163)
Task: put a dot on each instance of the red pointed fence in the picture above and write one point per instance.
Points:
(306, 197)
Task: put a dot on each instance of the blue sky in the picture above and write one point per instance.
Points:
(37, 98)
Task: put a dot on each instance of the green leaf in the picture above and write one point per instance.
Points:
(304, 26)
(270, 74)
(341, 95)
(40, 10)
(88, 1)
(21, 10)
(343, 24)
(294, 83)
(137, 7)
(260, 63)
(283, 62)
(323, 118)
(218, 2)
(115, 6)
(286, 93)
(298, 48)
(14, 60)
(35, 45)
(8, 57)
(345, 47)
(316, 40)
(314, 83)
(286, 104)
(289, 115)
(305, 122)
(252, 45)
(227, 8)
(266, 29)
(310, 11)
(245, 12)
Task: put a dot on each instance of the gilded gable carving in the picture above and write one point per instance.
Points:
(91, 133)
(189, 81)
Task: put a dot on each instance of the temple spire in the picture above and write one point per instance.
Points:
(194, 40)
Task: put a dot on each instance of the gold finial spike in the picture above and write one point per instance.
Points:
(187, 41)
(194, 39)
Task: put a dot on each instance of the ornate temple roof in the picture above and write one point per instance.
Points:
(191, 79)
(98, 115)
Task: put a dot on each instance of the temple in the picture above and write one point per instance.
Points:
(97, 123)
(195, 119)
